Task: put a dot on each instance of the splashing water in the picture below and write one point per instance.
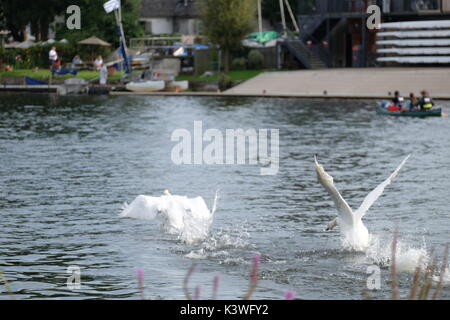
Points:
(188, 218)
(407, 257)
(445, 280)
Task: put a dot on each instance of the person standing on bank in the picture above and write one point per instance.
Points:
(52, 56)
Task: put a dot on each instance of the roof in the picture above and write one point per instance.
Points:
(186, 8)
(168, 8)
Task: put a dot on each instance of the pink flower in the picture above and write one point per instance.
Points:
(289, 295)
(216, 286)
(140, 275)
(140, 278)
(198, 289)
(255, 268)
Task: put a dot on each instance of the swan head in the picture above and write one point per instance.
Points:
(167, 193)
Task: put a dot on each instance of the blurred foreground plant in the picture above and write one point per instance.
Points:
(421, 287)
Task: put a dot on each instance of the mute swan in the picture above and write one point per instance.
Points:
(190, 218)
(353, 231)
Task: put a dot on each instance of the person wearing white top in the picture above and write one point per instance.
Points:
(98, 63)
(52, 55)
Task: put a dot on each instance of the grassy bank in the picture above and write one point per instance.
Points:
(240, 75)
(43, 74)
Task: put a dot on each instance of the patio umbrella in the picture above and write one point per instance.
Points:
(94, 41)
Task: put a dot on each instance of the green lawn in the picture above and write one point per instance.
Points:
(43, 74)
(241, 75)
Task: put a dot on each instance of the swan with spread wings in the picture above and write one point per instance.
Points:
(189, 218)
(353, 231)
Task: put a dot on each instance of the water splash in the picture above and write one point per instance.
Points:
(407, 257)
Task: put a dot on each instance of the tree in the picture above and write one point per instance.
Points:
(40, 14)
(95, 21)
(227, 22)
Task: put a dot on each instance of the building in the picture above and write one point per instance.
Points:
(170, 16)
(336, 31)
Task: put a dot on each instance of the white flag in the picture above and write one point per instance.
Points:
(111, 5)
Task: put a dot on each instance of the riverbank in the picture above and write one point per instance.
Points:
(380, 83)
(348, 83)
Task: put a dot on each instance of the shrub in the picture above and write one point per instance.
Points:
(225, 82)
(239, 64)
(255, 59)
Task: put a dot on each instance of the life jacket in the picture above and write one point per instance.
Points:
(393, 108)
(427, 104)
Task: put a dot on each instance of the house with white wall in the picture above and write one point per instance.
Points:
(169, 16)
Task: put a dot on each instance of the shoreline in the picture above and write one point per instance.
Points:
(352, 83)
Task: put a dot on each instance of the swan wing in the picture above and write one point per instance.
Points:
(197, 206)
(370, 199)
(344, 210)
(143, 207)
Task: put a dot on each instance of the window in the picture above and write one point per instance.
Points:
(148, 27)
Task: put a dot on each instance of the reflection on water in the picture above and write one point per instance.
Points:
(68, 163)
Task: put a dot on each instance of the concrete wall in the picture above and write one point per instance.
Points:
(186, 26)
(158, 25)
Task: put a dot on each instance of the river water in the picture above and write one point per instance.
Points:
(67, 164)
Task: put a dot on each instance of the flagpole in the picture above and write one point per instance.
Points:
(259, 16)
(283, 19)
(115, 5)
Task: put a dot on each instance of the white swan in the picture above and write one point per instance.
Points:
(190, 218)
(353, 231)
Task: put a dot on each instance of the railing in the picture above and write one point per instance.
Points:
(360, 6)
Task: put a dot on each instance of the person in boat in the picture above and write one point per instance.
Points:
(425, 102)
(397, 102)
(411, 105)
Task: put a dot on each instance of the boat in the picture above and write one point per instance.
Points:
(146, 86)
(177, 86)
(382, 109)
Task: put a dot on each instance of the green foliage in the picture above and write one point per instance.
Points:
(239, 64)
(37, 56)
(225, 82)
(39, 13)
(94, 19)
(255, 59)
(96, 22)
(227, 22)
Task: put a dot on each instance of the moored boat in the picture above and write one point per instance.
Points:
(384, 106)
(177, 86)
(146, 86)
